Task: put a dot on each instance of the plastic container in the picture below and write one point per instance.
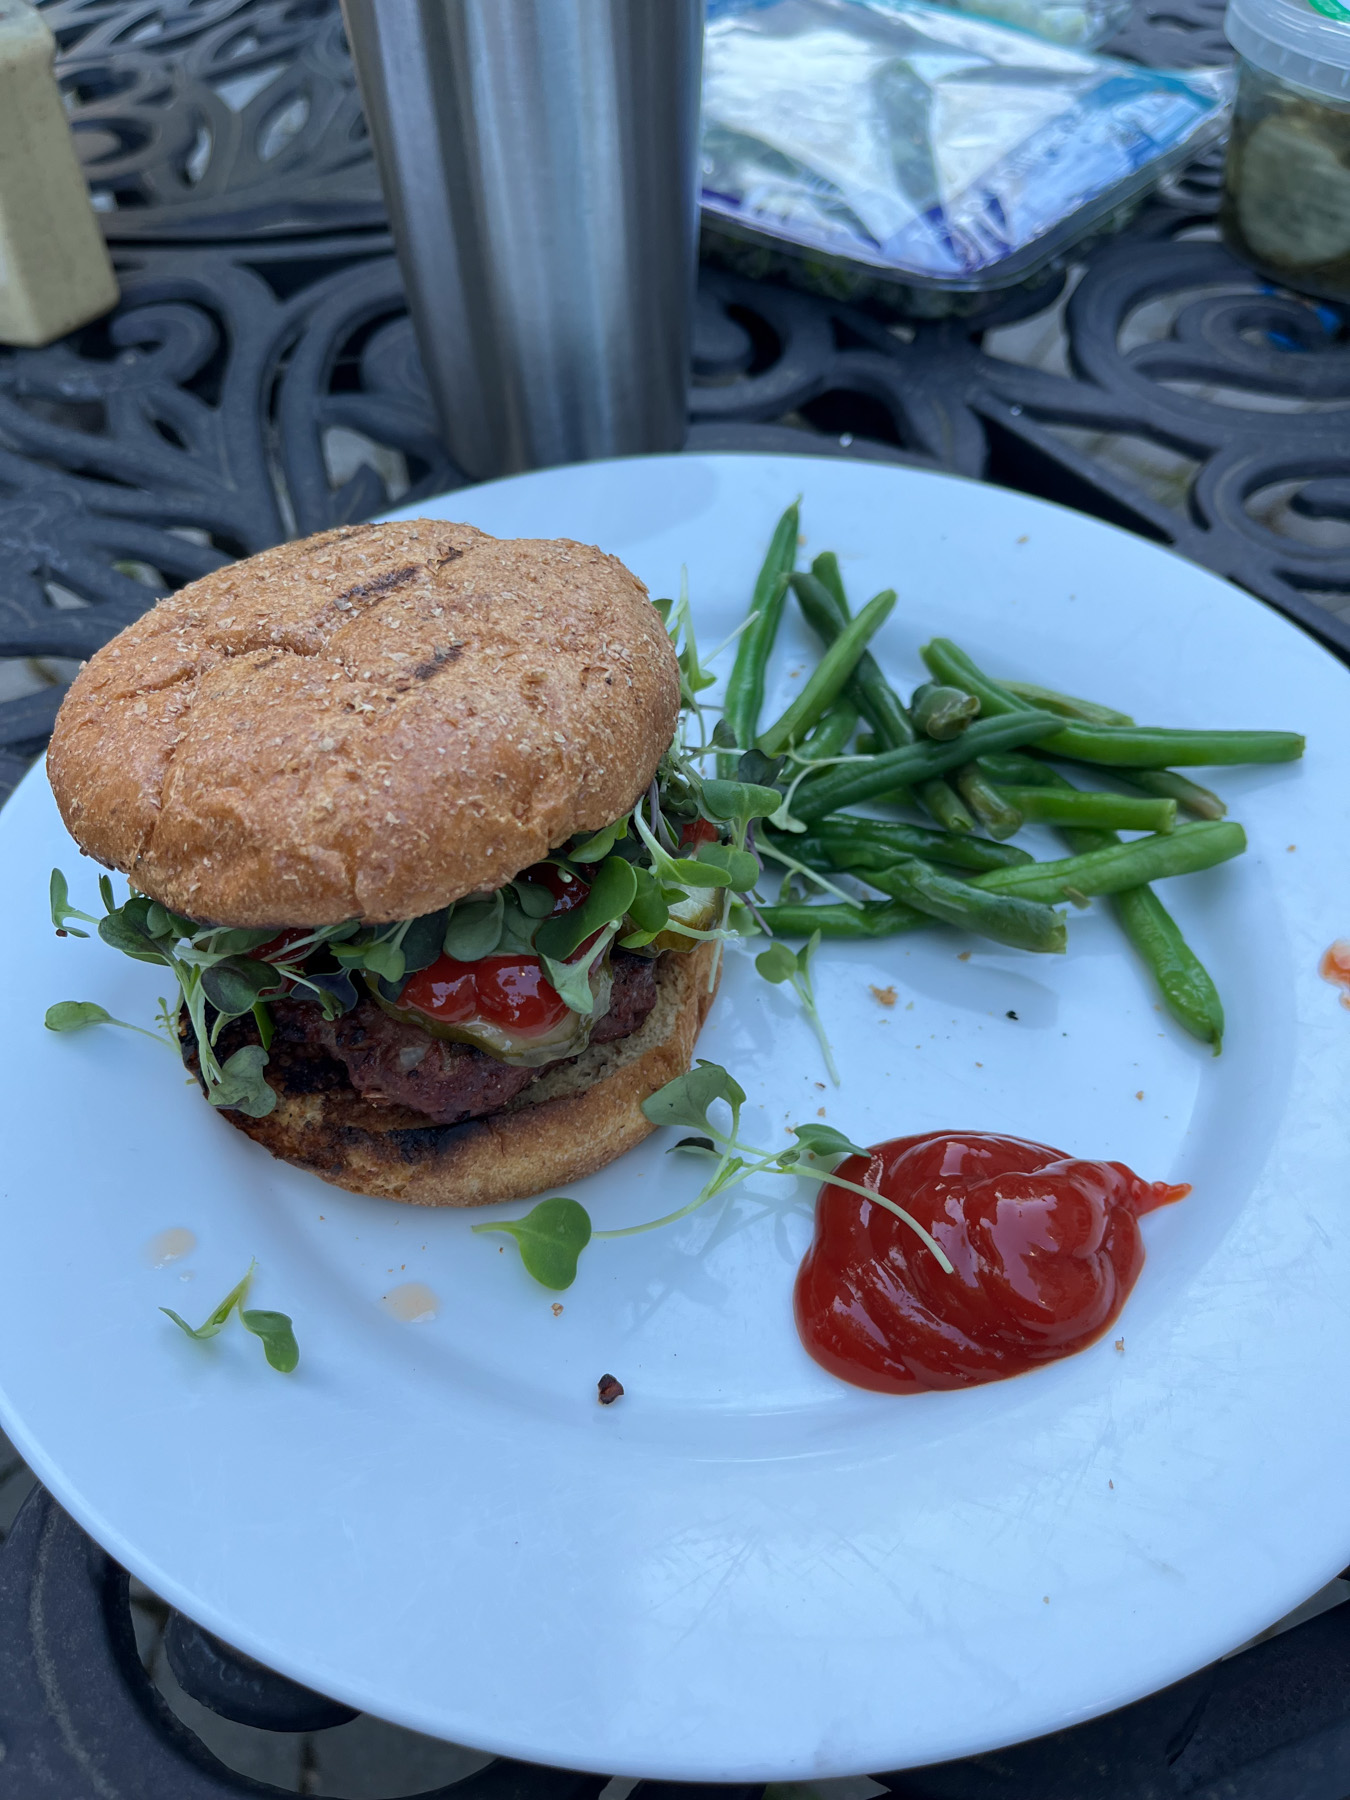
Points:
(919, 159)
(1286, 206)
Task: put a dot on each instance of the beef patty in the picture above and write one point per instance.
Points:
(391, 1062)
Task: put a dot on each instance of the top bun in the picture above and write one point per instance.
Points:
(367, 724)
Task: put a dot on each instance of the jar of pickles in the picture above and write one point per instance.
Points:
(1286, 205)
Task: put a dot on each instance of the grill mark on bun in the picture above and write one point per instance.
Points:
(443, 654)
(386, 583)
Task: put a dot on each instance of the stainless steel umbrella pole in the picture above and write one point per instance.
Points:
(539, 161)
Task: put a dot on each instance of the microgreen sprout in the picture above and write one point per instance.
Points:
(552, 1235)
(779, 964)
(63, 912)
(272, 1328)
(219, 969)
(806, 873)
(694, 677)
(78, 1015)
(726, 643)
(550, 1238)
(783, 819)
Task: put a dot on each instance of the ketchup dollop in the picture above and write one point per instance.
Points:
(1044, 1248)
(508, 991)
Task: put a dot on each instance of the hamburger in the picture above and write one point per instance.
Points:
(405, 810)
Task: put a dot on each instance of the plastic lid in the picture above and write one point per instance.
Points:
(1306, 42)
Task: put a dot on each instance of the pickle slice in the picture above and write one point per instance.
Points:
(1293, 200)
(699, 910)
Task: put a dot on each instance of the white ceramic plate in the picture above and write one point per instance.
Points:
(745, 1569)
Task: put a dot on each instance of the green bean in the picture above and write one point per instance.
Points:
(1007, 919)
(995, 808)
(863, 844)
(890, 840)
(1122, 746)
(831, 735)
(1186, 986)
(947, 662)
(1012, 770)
(1009, 768)
(1171, 786)
(829, 677)
(816, 853)
(827, 615)
(941, 712)
(745, 685)
(1115, 867)
(836, 788)
(1066, 705)
(1150, 746)
(1105, 812)
(1183, 980)
(825, 608)
(942, 802)
(870, 919)
(825, 568)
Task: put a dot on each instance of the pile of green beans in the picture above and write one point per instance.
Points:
(972, 750)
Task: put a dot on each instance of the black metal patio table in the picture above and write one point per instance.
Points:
(259, 380)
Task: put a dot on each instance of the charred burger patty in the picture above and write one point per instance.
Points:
(393, 1062)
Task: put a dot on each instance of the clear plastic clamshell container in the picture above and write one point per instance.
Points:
(910, 153)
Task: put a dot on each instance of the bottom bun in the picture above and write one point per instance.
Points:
(575, 1119)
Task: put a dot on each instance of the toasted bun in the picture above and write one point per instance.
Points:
(366, 724)
(571, 1122)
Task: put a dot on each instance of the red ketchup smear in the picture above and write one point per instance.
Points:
(508, 991)
(1045, 1250)
(1335, 967)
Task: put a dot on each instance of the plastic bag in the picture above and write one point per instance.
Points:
(926, 147)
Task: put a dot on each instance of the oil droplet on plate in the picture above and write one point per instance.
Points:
(1335, 967)
(411, 1303)
(170, 1246)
